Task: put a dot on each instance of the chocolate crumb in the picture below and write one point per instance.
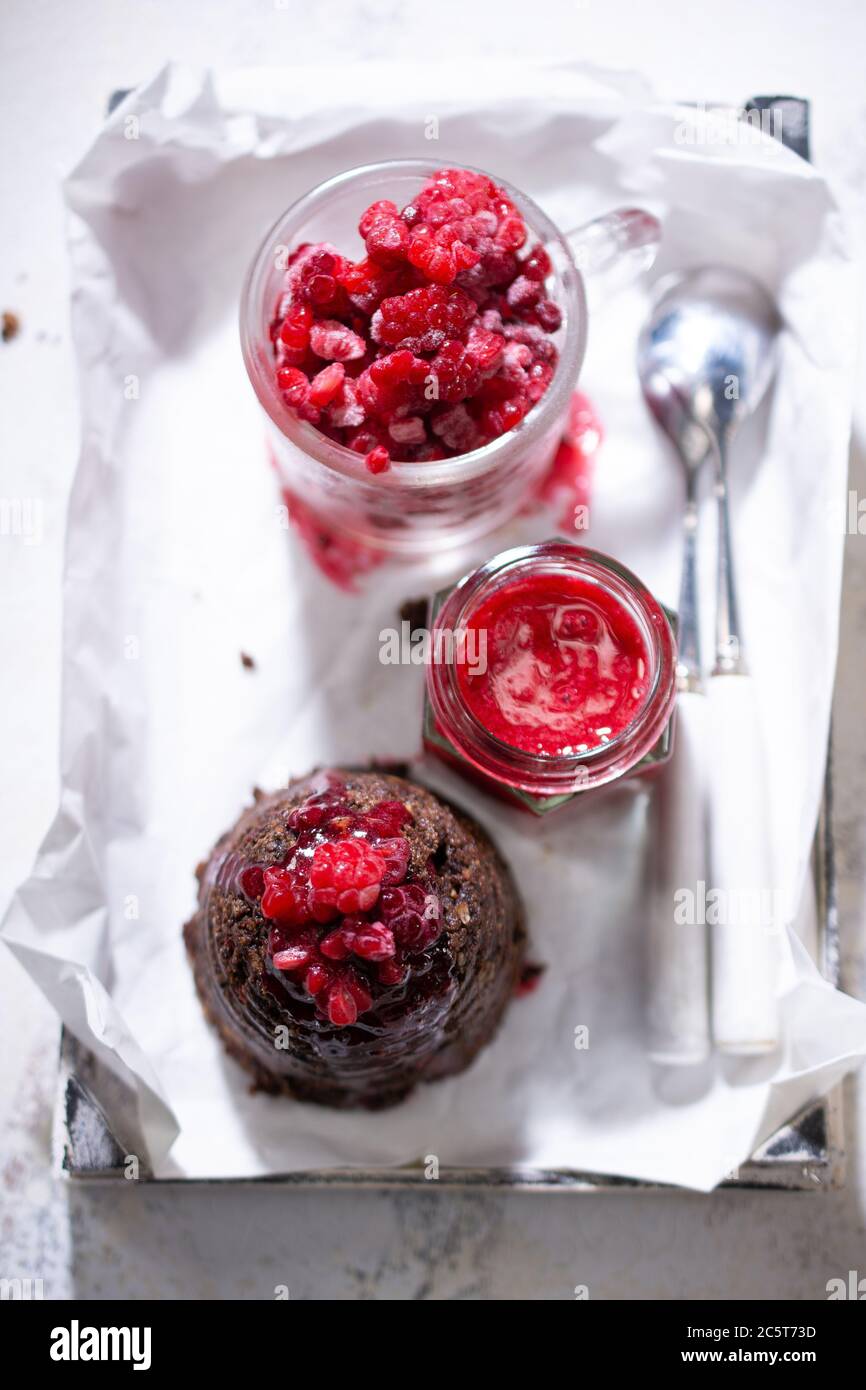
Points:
(11, 326)
(247, 661)
(414, 612)
(530, 975)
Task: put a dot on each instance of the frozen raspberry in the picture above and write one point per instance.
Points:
(374, 942)
(335, 342)
(438, 261)
(536, 265)
(511, 232)
(438, 341)
(344, 877)
(548, 315)
(456, 428)
(413, 916)
(296, 953)
(313, 276)
(327, 384)
(387, 236)
(252, 882)
(386, 818)
(485, 347)
(378, 460)
(293, 384)
(345, 410)
(285, 897)
(395, 853)
(391, 972)
(523, 293)
(295, 328)
(455, 372)
(318, 810)
(337, 945)
(423, 319)
(318, 977)
(409, 431)
(346, 998)
(366, 284)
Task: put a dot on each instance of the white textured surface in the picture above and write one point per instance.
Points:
(60, 63)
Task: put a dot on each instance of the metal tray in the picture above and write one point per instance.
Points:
(96, 1124)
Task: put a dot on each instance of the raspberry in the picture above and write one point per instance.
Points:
(548, 315)
(252, 882)
(457, 429)
(395, 853)
(412, 915)
(313, 276)
(374, 942)
(327, 384)
(346, 999)
(317, 810)
(485, 347)
(298, 952)
(455, 372)
(344, 877)
(295, 327)
(317, 978)
(293, 384)
(421, 336)
(391, 972)
(536, 265)
(523, 293)
(366, 284)
(408, 431)
(335, 342)
(387, 237)
(378, 460)
(337, 945)
(511, 232)
(422, 319)
(386, 818)
(345, 410)
(284, 898)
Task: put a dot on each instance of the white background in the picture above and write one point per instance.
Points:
(59, 63)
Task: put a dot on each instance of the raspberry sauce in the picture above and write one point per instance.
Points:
(567, 665)
(572, 681)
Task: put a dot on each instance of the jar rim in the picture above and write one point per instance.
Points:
(403, 474)
(546, 772)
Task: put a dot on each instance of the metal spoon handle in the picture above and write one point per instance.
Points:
(688, 635)
(729, 647)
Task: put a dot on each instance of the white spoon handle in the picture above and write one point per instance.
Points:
(744, 956)
(677, 1003)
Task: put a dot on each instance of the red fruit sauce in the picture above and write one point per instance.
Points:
(433, 343)
(567, 665)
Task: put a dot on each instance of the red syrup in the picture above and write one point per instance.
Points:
(567, 487)
(567, 667)
(572, 678)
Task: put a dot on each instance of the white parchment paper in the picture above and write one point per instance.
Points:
(178, 559)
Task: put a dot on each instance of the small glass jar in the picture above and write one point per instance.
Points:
(424, 510)
(540, 781)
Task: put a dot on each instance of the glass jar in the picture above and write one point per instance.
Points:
(541, 781)
(417, 509)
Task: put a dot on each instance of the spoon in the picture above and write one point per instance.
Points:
(714, 333)
(677, 1005)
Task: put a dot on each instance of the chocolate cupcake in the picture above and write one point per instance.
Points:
(355, 935)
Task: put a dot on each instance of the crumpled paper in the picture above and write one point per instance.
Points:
(178, 559)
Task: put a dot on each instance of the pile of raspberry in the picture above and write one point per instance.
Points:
(347, 926)
(437, 342)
